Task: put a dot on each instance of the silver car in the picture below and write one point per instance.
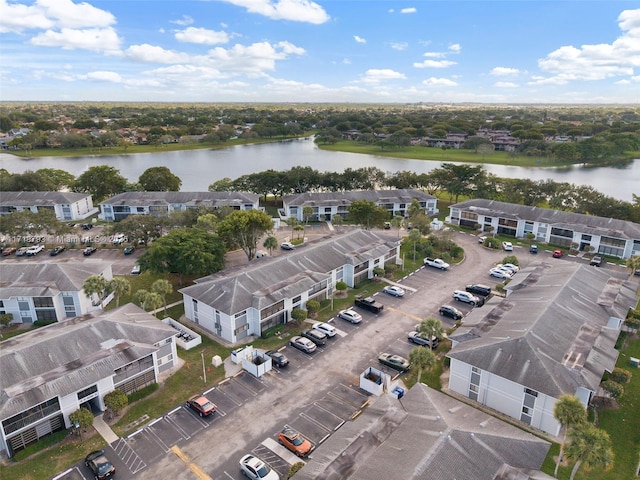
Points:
(303, 344)
(350, 316)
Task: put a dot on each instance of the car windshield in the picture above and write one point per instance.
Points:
(207, 405)
(103, 465)
(263, 471)
(297, 440)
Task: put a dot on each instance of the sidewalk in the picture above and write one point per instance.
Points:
(104, 430)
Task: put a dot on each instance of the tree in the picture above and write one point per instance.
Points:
(569, 412)
(147, 300)
(591, 446)
(243, 228)
(367, 214)
(58, 179)
(101, 181)
(270, 243)
(185, 251)
(139, 227)
(431, 327)
(82, 417)
(424, 358)
(633, 264)
(313, 307)
(163, 288)
(414, 208)
(614, 389)
(96, 285)
(298, 314)
(224, 185)
(6, 319)
(307, 212)
(115, 401)
(159, 179)
(119, 286)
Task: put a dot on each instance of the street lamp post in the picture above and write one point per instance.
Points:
(204, 372)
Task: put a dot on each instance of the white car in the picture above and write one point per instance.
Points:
(350, 316)
(255, 469)
(499, 273)
(507, 246)
(303, 344)
(136, 269)
(481, 238)
(36, 249)
(394, 290)
(287, 246)
(508, 266)
(466, 297)
(326, 328)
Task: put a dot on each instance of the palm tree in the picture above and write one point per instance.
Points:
(270, 243)
(147, 300)
(163, 288)
(569, 412)
(96, 285)
(298, 228)
(431, 327)
(633, 264)
(591, 446)
(140, 297)
(119, 286)
(424, 358)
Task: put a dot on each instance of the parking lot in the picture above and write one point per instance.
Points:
(314, 395)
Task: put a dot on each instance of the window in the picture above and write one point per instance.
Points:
(469, 215)
(272, 309)
(474, 383)
(528, 405)
(42, 302)
(87, 391)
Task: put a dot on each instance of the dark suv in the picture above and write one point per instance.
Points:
(478, 289)
(451, 312)
(100, 465)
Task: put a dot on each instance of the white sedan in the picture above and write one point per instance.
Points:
(254, 468)
(508, 266)
(350, 316)
(394, 290)
(499, 273)
(326, 328)
(507, 246)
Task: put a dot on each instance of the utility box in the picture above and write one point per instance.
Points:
(634, 362)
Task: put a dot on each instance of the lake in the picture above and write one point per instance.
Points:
(199, 168)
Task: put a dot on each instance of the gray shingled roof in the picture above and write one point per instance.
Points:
(65, 357)
(265, 282)
(27, 199)
(192, 199)
(551, 332)
(346, 198)
(573, 221)
(46, 279)
(424, 435)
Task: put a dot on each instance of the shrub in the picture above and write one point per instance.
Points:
(298, 314)
(378, 272)
(614, 389)
(313, 306)
(143, 392)
(294, 469)
(511, 259)
(620, 375)
(492, 242)
(5, 319)
(82, 417)
(341, 286)
(116, 401)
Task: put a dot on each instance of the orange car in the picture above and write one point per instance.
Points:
(295, 442)
(201, 405)
(557, 253)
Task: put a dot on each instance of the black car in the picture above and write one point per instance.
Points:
(56, 250)
(316, 336)
(478, 289)
(129, 250)
(88, 251)
(278, 359)
(86, 226)
(596, 261)
(451, 312)
(100, 465)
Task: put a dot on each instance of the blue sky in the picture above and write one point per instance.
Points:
(516, 51)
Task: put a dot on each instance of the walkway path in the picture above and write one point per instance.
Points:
(105, 430)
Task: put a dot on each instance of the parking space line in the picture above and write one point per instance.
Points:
(313, 420)
(282, 452)
(201, 474)
(129, 456)
(178, 428)
(408, 315)
(158, 440)
(330, 413)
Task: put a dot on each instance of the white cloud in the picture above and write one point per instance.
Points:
(52, 14)
(346, 61)
(184, 21)
(201, 36)
(104, 76)
(399, 45)
(505, 85)
(359, 39)
(293, 10)
(104, 40)
(434, 64)
(380, 75)
(433, 54)
(596, 62)
(408, 10)
(455, 48)
(430, 82)
(504, 71)
(154, 54)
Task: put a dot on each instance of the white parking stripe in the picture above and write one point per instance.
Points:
(282, 452)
